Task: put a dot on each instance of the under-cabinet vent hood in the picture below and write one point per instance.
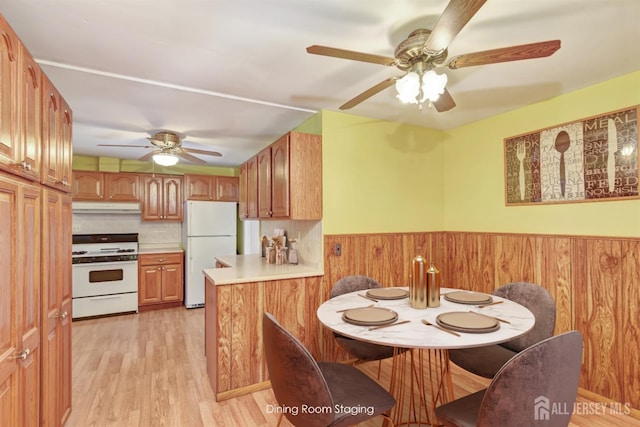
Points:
(106, 207)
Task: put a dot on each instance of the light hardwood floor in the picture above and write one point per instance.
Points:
(149, 370)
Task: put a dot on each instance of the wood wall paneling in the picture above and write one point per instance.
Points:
(593, 280)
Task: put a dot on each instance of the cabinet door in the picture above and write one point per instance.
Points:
(149, 285)
(88, 186)
(63, 263)
(252, 188)
(65, 147)
(9, 141)
(172, 282)
(30, 123)
(122, 187)
(51, 295)
(10, 303)
(264, 183)
(227, 188)
(199, 187)
(280, 178)
(152, 198)
(51, 137)
(29, 222)
(242, 192)
(172, 198)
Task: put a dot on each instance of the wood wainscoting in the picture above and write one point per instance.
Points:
(594, 281)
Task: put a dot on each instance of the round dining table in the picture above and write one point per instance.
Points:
(428, 345)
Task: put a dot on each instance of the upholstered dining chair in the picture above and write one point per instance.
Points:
(526, 389)
(486, 361)
(318, 394)
(362, 351)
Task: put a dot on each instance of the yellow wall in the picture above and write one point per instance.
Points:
(113, 164)
(474, 170)
(380, 176)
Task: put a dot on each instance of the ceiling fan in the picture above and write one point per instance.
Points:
(167, 148)
(425, 50)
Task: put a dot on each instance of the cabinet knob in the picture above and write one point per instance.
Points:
(62, 315)
(22, 355)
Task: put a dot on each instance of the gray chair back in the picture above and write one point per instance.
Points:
(540, 302)
(351, 284)
(295, 376)
(536, 380)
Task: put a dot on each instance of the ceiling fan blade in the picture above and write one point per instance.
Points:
(190, 158)
(124, 145)
(208, 153)
(368, 93)
(453, 19)
(445, 102)
(505, 54)
(147, 157)
(349, 54)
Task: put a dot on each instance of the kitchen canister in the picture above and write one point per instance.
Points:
(418, 283)
(433, 286)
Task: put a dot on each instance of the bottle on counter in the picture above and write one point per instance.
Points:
(293, 253)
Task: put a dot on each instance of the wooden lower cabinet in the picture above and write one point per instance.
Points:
(56, 308)
(20, 353)
(233, 328)
(160, 280)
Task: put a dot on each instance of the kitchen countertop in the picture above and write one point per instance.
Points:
(157, 248)
(254, 268)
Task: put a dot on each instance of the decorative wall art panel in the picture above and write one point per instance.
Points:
(590, 159)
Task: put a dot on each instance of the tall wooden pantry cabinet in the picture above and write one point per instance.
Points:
(35, 242)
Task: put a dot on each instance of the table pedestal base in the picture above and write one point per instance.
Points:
(420, 381)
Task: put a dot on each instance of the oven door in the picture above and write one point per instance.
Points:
(104, 278)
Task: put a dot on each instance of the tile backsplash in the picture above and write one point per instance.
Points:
(148, 231)
(307, 233)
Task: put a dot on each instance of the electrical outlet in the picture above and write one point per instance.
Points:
(76, 228)
(337, 249)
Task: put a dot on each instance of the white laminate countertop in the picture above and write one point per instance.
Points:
(254, 268)
(158, 248)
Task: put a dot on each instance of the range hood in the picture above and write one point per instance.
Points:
(105, 207)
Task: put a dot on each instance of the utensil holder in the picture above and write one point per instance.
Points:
(418, 297)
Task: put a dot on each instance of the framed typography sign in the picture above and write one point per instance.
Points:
(591, 159)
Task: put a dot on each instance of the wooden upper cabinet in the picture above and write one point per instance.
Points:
(211, 187)
(264, 183)
(199, 187)
(56, 138)
(162, 198)
(285, 179)
(280, 178)
(242, 191)
(30, 125)
(106, 186)
(227, 188)
(252, 187)
(122, 187)
(88, 186)
(9, 141)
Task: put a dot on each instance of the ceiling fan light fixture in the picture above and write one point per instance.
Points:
(165, 159)
(416, 88)
(433, 85)
(408, 88)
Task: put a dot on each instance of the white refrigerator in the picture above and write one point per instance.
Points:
(209, 230)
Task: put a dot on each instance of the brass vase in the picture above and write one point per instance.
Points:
(433, 286)
(418, 283)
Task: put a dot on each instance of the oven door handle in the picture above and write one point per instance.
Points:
(105, 297)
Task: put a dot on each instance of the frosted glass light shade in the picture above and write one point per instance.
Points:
(165, 159)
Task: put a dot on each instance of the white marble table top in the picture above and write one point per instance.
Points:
(415, 334)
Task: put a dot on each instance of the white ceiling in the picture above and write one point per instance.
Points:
(233, 75)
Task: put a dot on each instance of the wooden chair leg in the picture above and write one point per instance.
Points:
(279, 419)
